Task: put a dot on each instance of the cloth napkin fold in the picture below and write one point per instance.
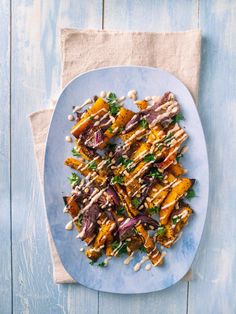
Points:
(83, 50)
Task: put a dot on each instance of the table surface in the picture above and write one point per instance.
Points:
(30, 75)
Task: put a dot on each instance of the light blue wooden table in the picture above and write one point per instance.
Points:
(30, 73)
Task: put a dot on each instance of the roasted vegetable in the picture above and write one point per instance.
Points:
(179, 188)
(99, 108)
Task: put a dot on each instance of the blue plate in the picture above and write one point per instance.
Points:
(117, 277)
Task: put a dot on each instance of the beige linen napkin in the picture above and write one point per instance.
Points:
(83, 50)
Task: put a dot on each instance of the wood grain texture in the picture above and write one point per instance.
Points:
(158, 16)
(35, 77)
(213, 290)
(5, 246)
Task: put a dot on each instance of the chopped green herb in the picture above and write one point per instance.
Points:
(111, 146)
(108, 161)
(119, 248)
(143, 123)
(74, 179)
(113, 104)
(79, 222)
(102, 264)
(110, 129)
(91, 118)
(159, 146)
(154, 209)
(149, 157)
(120, 210)
(190, 194)
(168, 138)
(74, 152)
(111, 97)
(135, 202)
(175, 219)
(121, 129)
(92, 165)
(178, 118)
(92, 263)
(117, 179)
(155, 173)
(142, 249)
(161, 230)
(115, 245)
(123, 161)
(178, 157)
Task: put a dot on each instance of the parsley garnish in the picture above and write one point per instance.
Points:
(113, 104)
(91, 118)
(155, 173)
(154, 209)
(161, 230)
(121, 250)
(102, 264)
(143, 123)
(74, 152)
(178, 157)
(92, 263)
(135, 202)
(175, 219)
(178, 118)
(149, 157)
(159, 146)
(190, 194)
(79, 222)
(168, 138)
(142, 249)
(111, 146)
(74, 179)
(92, 165)
(117, 179)
(110, 129)
(124, 162)
(120, 210)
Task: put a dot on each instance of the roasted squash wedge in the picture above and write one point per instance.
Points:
(179, 188)
(100, 107)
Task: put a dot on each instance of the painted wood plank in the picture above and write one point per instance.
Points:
(149, 16)
(5, 247)
(35, 77)
(213, 290)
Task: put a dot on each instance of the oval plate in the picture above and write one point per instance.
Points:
(117, 277)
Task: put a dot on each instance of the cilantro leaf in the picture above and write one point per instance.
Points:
(110, 129)
(74, 179)
(91, 118)
(155, 173)
(149, 157)
(92, 165)
(154, 209)
(143, 123)
(102, 264)
(113, 104)
(74, 152)
(178, 118)
(135, 202)
(117, 179)
(161, 230)
(175, 219)
(190, 194)
(142, 249)
(120, 210)
(124, 162)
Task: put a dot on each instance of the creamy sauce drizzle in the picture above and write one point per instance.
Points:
(139, 264)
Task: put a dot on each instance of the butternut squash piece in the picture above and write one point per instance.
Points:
(81, 167)
(134, 135)
(142, 104)
(176, 169)
(100, 107)
(179, 188)
(101, 238)
(121, 120)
